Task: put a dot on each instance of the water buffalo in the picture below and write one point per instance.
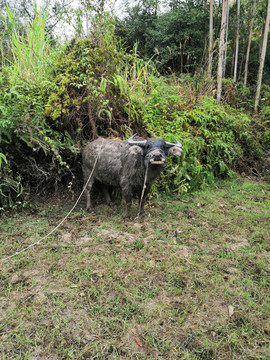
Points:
(118, 163)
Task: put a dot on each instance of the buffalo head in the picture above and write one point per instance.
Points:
(155, 151)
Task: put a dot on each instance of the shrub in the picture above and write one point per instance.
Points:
(26, 139)
(215, 139)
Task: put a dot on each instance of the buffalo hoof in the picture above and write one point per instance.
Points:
(140, 218)
(112, 204)
(91, 211)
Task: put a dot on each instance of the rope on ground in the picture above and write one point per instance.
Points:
(61, 222)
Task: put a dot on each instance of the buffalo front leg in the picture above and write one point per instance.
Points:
(127, 210)
(89, 206)
(128, 199)
(127, 194)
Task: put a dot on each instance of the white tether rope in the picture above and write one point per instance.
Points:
(70, 211)
(61, 222)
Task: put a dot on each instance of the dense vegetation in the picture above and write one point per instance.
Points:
(177, 38)
(54, 98)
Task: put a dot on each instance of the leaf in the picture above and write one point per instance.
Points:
(138, 341)
(2, 156)
(230, 310)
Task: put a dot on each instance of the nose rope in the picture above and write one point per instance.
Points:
(156, 162)
(143, 190)
(145, 179)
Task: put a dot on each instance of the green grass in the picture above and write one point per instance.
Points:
(170, 281)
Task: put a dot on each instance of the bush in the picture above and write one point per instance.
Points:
(26, 139)
(215, 139)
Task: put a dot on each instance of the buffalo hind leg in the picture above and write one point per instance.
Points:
(107, 195)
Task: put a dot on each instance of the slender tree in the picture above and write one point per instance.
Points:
(226, 39)
(205, 29)
(236, 41)
(249, 42)
(262, 58)
(221, 49)
(210, 47)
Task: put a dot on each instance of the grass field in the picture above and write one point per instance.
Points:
(190, 282)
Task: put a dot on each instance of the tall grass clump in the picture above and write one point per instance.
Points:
(26, 139)
(31, 50)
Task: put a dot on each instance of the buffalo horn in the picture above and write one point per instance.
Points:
(133, 142)
(171, 144)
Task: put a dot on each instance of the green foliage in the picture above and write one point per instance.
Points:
(174, 37)
(84, 88)
(237, 95)
(2, 158)
(53, 100)
(178, 35)
(215, 139)
(31, 50)
(265, 111)
(9, 185)
(26, 138)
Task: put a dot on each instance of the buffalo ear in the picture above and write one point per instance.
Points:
(175, 150)
(135, 150)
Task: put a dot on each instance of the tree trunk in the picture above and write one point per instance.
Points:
(221, 49)
(210, 49)
(262, 58)
(233, 58)
(205, 31)
(236, 42)
(91, 120)
(182, 58)
(226, 40)
(249, 43)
